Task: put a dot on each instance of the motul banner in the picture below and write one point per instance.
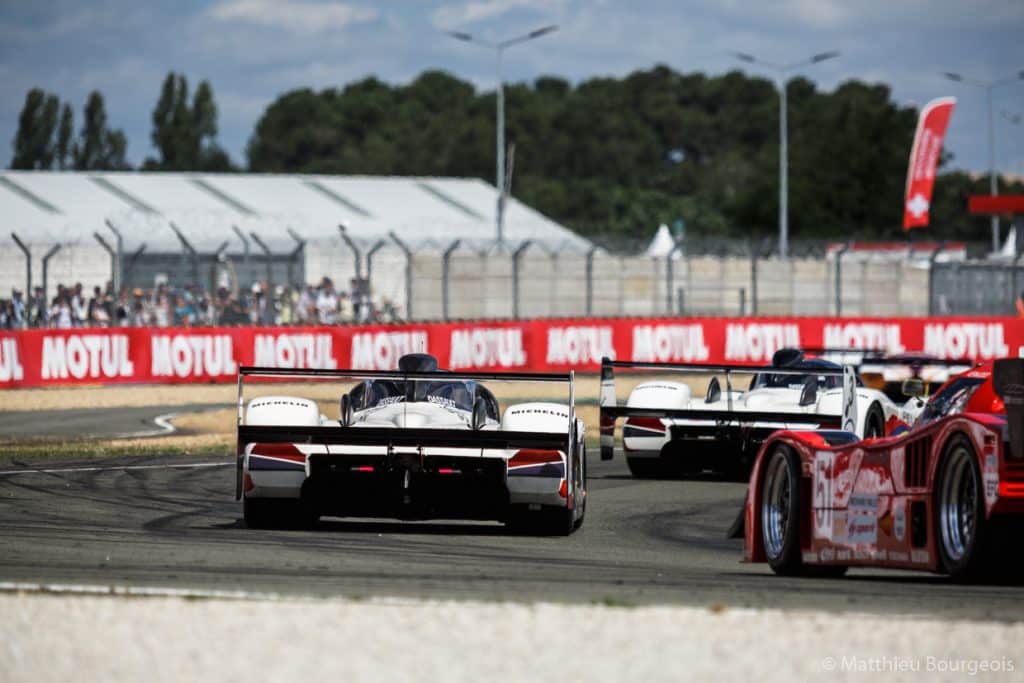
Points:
(924, 159)
(36, 358)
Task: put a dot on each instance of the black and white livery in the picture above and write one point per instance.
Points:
(670, 430)
(416, 443)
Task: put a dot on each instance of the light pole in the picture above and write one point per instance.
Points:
(1014, 119)
(989, 86)
(782, 70)
(499, 49)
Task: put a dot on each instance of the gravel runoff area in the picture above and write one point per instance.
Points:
(57, 637)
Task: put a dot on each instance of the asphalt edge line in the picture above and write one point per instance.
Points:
(111, 468)
(164, 428)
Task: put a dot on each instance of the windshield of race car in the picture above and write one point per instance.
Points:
(781, 381)
(456, 395)
(951, 399)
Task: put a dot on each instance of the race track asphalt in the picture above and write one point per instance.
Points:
(172, 522)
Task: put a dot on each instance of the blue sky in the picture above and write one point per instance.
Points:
(253, 50)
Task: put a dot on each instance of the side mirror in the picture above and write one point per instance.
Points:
(809, 394)
(345, 411)
(913, 387)
(714, 391)
(479, 413)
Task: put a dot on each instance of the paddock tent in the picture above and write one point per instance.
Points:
(174, 225)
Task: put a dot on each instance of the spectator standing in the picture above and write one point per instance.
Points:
(257, 305)
(206, 313)
(306, 312)
(79, 306)
(61, 316)
(17, 312)
(99, 299)
(161, 310)
(345, 311)
(284, 305)
(327, 303)
(97, 315)
(233, 313)
(184, 312)
(38, 310)
(140, 310)
(122, 310)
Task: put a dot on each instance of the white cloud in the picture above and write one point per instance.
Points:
(294, 16)
(448, 16)
(907, 15)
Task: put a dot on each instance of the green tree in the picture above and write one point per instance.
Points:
(98, 147)
(65, 134)
(616, 156)
(34, 145)
(163, 135)
(183, 133)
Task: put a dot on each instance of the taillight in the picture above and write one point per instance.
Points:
(446, 470)
(563, 490)
(363, 468)
(247, 482)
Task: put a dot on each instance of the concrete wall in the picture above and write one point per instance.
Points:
(482, 286)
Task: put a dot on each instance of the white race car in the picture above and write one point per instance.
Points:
(417, 443)
(668, 430)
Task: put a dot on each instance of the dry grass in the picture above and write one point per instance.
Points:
(63, 398)
(125, 396)
(212, 431)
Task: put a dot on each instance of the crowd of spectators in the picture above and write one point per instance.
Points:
(189, 306)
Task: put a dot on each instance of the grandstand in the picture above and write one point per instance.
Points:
(184, 227)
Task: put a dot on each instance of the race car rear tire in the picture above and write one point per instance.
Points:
(276, 513)
(646, 468)
(554, 521)
(780, 512)
(583, 483)
(825, 571)
(960, 511)
(874, 423)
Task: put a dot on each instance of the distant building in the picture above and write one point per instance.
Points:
(193, 227)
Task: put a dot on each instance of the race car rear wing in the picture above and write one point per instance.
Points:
(414, 437)
(611, 410)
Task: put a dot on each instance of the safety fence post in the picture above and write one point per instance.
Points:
(446, 257)
(408, 272)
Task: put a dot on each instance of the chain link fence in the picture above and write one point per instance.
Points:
(476, 279)
(975, 288)
(463, 280)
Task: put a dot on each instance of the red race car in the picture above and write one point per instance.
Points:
(942, 497)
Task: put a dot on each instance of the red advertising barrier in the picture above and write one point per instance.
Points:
(34, 358)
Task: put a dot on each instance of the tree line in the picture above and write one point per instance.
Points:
(184, 133)
(607, 156)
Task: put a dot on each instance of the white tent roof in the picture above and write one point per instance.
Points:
(44, 207)
(662, 244)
